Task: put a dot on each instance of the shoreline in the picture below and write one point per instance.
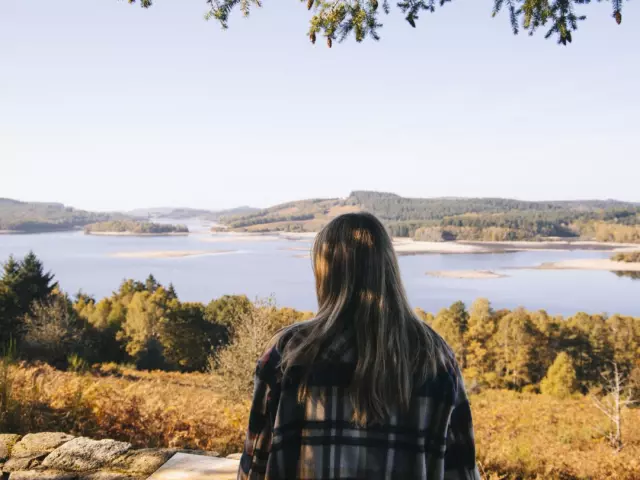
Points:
(595, 264)
(169, 254)
(466, 274)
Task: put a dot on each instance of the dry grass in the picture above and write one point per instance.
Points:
(148, 409)
(519, 436)
(522, 435)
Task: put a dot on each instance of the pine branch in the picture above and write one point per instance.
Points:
(340, 19)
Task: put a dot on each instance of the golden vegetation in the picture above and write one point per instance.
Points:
(519, 435)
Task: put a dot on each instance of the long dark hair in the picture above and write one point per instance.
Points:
(358, 287)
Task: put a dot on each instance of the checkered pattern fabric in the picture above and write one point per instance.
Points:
(316, 439)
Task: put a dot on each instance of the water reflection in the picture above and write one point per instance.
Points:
(631, 275)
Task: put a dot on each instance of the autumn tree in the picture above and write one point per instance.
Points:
(142, 328)
(184, 337)
(451, 323)
(514, 343)
(224, 313)
(339, 19)
(477, 338)
(625, 341)
(560, 380)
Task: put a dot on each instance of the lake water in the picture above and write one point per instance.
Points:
(261, 268)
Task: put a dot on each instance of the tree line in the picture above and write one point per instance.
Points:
(141, 323)
(518, 349)
(145, 324)
(131, 226)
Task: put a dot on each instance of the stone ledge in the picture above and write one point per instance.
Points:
(59, 456)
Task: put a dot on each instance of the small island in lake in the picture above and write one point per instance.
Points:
(131, 227)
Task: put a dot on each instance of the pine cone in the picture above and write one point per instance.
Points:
(310, 4)
(329, 42)
(312, 37)
(618, 16)
(374, 5)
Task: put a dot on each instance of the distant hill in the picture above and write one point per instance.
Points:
(35, 217)
(441, 219)
(180, 213)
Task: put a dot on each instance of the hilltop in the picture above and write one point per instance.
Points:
(35, 217)
(442, 219)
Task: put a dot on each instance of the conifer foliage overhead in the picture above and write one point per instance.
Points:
(340, 19)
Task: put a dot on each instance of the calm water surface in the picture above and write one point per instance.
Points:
(261, 268)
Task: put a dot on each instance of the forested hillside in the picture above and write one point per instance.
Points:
(442, 219)
(34, 217)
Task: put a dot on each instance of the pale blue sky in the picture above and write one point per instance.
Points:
(107, 106)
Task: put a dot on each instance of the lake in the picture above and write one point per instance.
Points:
(259, 268)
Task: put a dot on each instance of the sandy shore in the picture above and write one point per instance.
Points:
(590, 264)
(132, 234)
(169, 253)
(406, 246)
(239, 237)
(551, 245)
(466, 274)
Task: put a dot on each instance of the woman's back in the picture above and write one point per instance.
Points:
(317, 439)
(365, 390)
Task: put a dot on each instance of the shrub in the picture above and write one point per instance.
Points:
(253, 332)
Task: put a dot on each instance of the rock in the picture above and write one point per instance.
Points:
(42, 475)
(83, 454)
(234, 456)
(23, 463)
(37, 444)
(7, 441)
(108, 476)
(145, 461)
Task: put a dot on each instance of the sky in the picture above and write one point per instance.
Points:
(106, 106)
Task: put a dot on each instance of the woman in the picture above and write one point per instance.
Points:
(365, 390)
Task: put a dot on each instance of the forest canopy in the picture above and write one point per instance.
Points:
(361, 19)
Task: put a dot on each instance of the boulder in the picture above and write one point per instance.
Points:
(38, 444)
(145, 461)
(83, 454)
(7, 441)
(42, 475)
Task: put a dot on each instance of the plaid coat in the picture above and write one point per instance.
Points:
(317, 440)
